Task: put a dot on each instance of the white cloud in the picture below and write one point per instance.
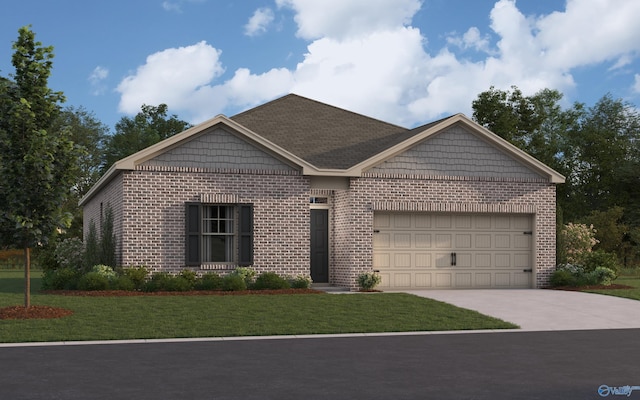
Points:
(259, 22)
(172, 6)
(341, 19)
(471, 39)
(170, 76)
(365, 56)
(96, 80)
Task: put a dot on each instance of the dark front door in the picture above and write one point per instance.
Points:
(320, 246)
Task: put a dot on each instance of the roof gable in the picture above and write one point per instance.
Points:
(456, 152)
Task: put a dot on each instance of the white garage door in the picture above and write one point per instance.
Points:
(443, 251)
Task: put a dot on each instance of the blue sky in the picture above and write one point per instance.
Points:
(403, 61)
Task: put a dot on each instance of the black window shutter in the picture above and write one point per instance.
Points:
(193, 233)
(245, 234)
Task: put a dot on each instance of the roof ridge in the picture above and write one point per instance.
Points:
(320, 104)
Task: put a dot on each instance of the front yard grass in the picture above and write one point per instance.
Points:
(629, 280)
(158, 317)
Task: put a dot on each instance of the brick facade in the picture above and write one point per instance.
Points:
(151, 215)
(354, 209)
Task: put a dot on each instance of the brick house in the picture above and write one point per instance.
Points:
(296, 186)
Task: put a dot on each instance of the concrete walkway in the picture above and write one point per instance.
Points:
(545, 310)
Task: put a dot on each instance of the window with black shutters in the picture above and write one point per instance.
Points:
(219, 234)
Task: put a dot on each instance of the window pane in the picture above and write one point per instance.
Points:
(218, 241)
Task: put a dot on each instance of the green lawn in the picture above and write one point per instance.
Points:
(146, 317)
(627, 293)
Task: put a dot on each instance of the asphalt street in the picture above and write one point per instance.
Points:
(509, 365)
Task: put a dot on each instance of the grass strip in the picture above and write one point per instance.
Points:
(156, 317)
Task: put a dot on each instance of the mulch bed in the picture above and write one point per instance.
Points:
(33, 312)
(120, 293)
(591, 287)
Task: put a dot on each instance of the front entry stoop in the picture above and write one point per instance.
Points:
(325, 287)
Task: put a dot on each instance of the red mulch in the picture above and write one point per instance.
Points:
(591, 287)
(33, 312)
(118, 293)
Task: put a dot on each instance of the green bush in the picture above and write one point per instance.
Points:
(562, 277)
(270, 280)
(105, 271)
(122, 282)
(604, 276)
(178, 284)
(69, 253)
(209, 281)
(234, 282)
(93, 281)
(369, 280)
(158, 282)
(246, 273)
(300, 282)
(137, 275)
(189, 275)
(600, 258)
(60, 279)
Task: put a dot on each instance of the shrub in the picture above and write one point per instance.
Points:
(562, 277)
(158, 282)
(209, 281)
(60, 279)
(93, 281)
(123, 282)
(368, 280)
(234, 282)
(189, 275)
(270, 280)
(137, 275)
(246, 273)
(604, 276)
(577, 240)
(69, 253)
(178, 284)
(300, 282)
(600, 258)
(105, 271)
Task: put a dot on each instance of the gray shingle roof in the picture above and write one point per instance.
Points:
(323, 135)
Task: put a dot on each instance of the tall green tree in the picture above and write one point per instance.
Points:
(148, 127)
(88, 134)
(37, 164)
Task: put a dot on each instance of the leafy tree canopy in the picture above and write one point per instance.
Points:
(148, 127)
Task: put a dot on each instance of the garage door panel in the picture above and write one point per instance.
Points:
(402, 240)
(463, 260)
(422, 241)
(414, 250)
(443, 240)
(443, 260)
(483, 260)
(463, 241)
(423, 280)
(443, 280)
(382, 240)
(463, 280)
(402, 260)
(483, 279)
(423, 260)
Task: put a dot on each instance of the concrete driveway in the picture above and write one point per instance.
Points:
(545, 310)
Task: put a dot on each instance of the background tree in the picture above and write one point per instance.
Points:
(148, 127)
(89, 134)
(37, 164)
